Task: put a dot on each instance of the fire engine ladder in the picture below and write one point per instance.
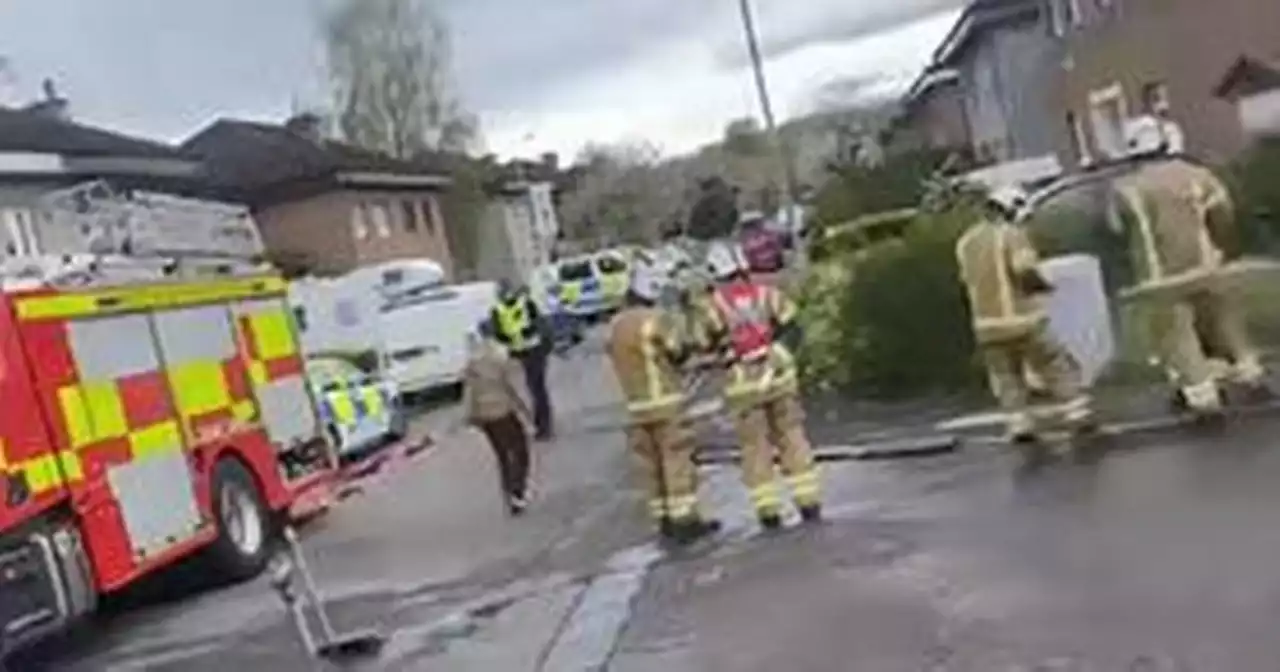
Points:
(92, 235)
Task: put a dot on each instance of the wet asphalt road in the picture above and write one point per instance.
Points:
(1154, 557)
(1158, 555)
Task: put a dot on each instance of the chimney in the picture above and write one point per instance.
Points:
(308, 125)
(52, 105)
(551, 162)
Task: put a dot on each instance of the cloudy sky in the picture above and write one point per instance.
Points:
(542, 74)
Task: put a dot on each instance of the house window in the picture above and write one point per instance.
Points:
(380, 215)
(1155, 98)
(1063, 14)
(21, 231)
(428, 213)
(1079, 144)
(409, 213)
(1109, 111)
(359, 227)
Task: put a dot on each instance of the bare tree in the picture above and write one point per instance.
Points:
(627, 193)
(8, 82)
(389, 68)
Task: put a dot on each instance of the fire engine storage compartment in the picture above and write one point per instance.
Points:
(150, 386)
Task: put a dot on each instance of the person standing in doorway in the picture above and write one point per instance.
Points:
(521, 327)
(493, 405)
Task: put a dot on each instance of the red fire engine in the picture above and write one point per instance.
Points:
(145, 421)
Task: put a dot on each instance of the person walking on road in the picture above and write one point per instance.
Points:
(522, 329)
(753, 327)
(646, 345)
(999, 269)
(1170, 212)
(493, 405)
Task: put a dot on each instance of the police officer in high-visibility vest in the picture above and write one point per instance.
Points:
(1168, 209)
(646, 346)
(521, 328)
(999, 268)
(753, 326)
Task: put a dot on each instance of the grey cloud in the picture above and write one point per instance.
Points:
(828, 23)
(510, 52)
(166, 67)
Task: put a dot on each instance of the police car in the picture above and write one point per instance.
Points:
(590, 286)
(361, 412)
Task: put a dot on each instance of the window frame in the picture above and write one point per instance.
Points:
(409, 215)
(1113, 93)
(380, 217)
(358, 223)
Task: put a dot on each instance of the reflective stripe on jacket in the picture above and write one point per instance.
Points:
(766, 372)
(1163, 209)
(742, 309)
(643, 346)
(991, 255)
(515, 323)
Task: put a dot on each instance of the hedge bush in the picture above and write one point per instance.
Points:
(1253, 178)
(890, 320)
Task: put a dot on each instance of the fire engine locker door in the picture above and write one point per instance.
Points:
(128, 431)
(198, 346)
(274, 360)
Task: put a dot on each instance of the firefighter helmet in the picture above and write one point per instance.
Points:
(1144, 136)
(648, 282)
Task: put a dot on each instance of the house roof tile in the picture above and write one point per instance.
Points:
(26, 131)
(252, 157)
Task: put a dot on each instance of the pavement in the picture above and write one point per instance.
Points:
(1154, 555)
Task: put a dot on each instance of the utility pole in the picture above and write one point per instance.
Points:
(789, 186)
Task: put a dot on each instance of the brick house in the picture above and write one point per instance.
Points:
(1124, 57)
(933, 114)
(1254, 87)
(323, 206)
(984, 89)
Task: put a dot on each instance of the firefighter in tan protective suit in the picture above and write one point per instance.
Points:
(998, 266)
(646, 346)
(1168, 209)
(753, 327)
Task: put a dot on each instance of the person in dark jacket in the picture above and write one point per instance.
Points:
(521, 327)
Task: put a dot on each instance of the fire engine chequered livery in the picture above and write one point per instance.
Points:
(123, 409)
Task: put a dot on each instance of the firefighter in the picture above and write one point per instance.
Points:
(646, 347)
(753, 326)
(521, 328)
(1169, 210)
(998, 267)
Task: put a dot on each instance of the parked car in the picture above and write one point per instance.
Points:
(361, 410)
(588, 286)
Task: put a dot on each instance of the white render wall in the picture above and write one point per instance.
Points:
(1261, 113)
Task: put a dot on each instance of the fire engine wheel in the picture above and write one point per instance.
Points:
(243, 545)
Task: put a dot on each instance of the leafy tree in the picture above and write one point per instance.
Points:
(715, 214)
(744, 137)
(626, 193)
(389, 68)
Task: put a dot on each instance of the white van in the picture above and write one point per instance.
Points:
(402, 311)
(425, 333)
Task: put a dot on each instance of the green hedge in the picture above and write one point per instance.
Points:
(1255, 181)
(890, 320)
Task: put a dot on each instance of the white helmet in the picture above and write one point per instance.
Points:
(1145, 135)
(648, 282)
(1011, 198)
(724, 260)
